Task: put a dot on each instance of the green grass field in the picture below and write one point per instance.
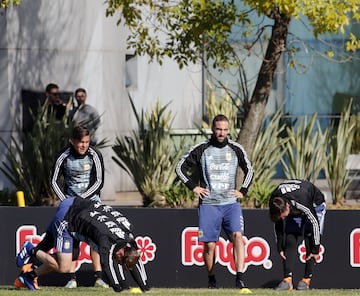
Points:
(52, 291)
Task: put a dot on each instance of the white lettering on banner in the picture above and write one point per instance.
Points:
(29, 233)
(355, 248)
(257, 251)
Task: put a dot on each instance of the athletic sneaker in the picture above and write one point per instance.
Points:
(72, 284)
(23, 256)
(304, 284)
(26, 268)
(99, 283)
(18, 284)
(285, 284)
(240, 284)
(28, 280)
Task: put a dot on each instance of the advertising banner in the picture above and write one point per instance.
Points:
(172, 254)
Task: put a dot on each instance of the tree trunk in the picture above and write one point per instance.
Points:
(256, 109)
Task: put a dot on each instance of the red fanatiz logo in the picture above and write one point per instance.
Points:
(257, 251)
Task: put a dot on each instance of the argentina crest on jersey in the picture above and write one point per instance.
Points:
(67, 245)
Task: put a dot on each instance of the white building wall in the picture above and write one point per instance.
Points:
(73, 44)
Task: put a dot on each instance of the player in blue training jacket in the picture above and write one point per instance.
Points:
(79, 171)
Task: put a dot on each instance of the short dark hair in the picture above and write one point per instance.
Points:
(219, 117)
(80, 89)
(277, 206)
(50, 86)
(79, 132)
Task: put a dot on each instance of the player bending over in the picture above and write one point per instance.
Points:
(103, 228)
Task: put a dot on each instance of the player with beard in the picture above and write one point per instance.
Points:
(217, 161)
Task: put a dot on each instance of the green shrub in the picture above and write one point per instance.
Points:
(266, 155)
(305, 150)
(226, 106)
(178, 195)
(30, 158)
(261, 192)
(340, 140)
(150, 155)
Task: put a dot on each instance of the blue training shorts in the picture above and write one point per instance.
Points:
(213, 218)
(63, 241)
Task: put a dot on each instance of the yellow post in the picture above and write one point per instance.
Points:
(20, 198)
